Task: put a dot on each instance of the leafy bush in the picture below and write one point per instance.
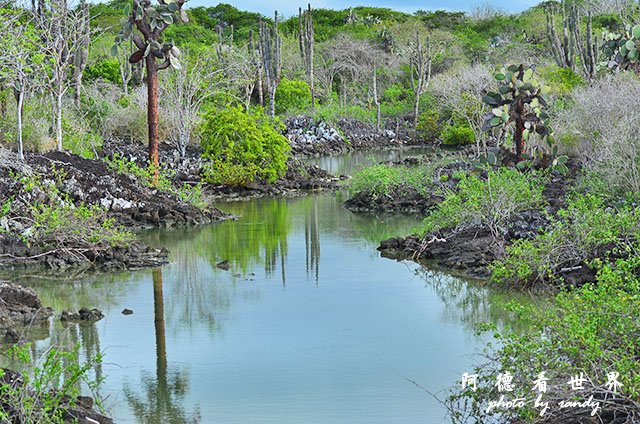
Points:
(575, 238)
(562, 81)
(592, 331)
(58, 222)
(243, 147)
(107, 69)
(47, 388)
(490, 201)
(458, 135)
(377, 180)
(429, 127)
(292, 96)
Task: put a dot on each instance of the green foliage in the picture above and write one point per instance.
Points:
(80, 140)
(396, 101)
(333, 113)
(574, 238)
(591, 330)
(458, 135)
(561, 81)
(108, 69)
(378, 180)
(61, 222)
(490, 201)
(243, 147)
(292, 96)
(147, 177)
(49, 386)
(429, 127)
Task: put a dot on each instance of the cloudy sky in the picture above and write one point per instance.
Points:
(288, 8)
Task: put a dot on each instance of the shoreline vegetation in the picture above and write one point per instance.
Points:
(130, 115)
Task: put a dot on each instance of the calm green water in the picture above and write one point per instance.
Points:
(310, 324)
(349, 163)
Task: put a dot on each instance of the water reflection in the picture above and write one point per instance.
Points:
(162, 400)
(308, 325)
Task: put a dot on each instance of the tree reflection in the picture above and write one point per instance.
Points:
(470, 303)
(163, 395)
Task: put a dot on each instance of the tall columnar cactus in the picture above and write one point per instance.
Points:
(572, 44)
(622, 51)
(151, 21)
(271, 50)
(307, 39)
(520, 99)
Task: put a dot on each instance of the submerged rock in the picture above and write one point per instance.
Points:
(224, 265)
(83, 315)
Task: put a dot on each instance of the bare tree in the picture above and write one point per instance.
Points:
(185, 89)
(18, 59)
(347, 59)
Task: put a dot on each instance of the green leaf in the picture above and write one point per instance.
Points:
(527, 75)
(630, 45)
(496, 121)
(172, 7)
(636, 32)
(505, 117)
(127, 10)
(500, 77)
(490, 100)
(114, 50)
(521, 165)
(525, 135)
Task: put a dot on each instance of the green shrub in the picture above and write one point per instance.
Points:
(592, 331)
(458, 135)
(574, 238)
(108, 69)
(377, 180)
(243, 147)
(80, 140)
(292, 96)
(429, 127)
(48, 387)
(562, 81)
(490, 201)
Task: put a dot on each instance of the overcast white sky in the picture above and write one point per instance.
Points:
(289, 8)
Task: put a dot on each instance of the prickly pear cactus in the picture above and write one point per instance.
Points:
(622, 51)
(520, 99)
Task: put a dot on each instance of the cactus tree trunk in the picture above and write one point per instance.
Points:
(518, 139)
(152, 113)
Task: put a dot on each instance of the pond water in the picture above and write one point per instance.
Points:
(350, 162)
(309, 324)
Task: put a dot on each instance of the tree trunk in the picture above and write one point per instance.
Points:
(518, 140)
(59, 119)
(19, 118)
(375, 98)
(152, 114)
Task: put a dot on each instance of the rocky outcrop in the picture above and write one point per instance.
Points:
(310, 137)
(20, 306)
